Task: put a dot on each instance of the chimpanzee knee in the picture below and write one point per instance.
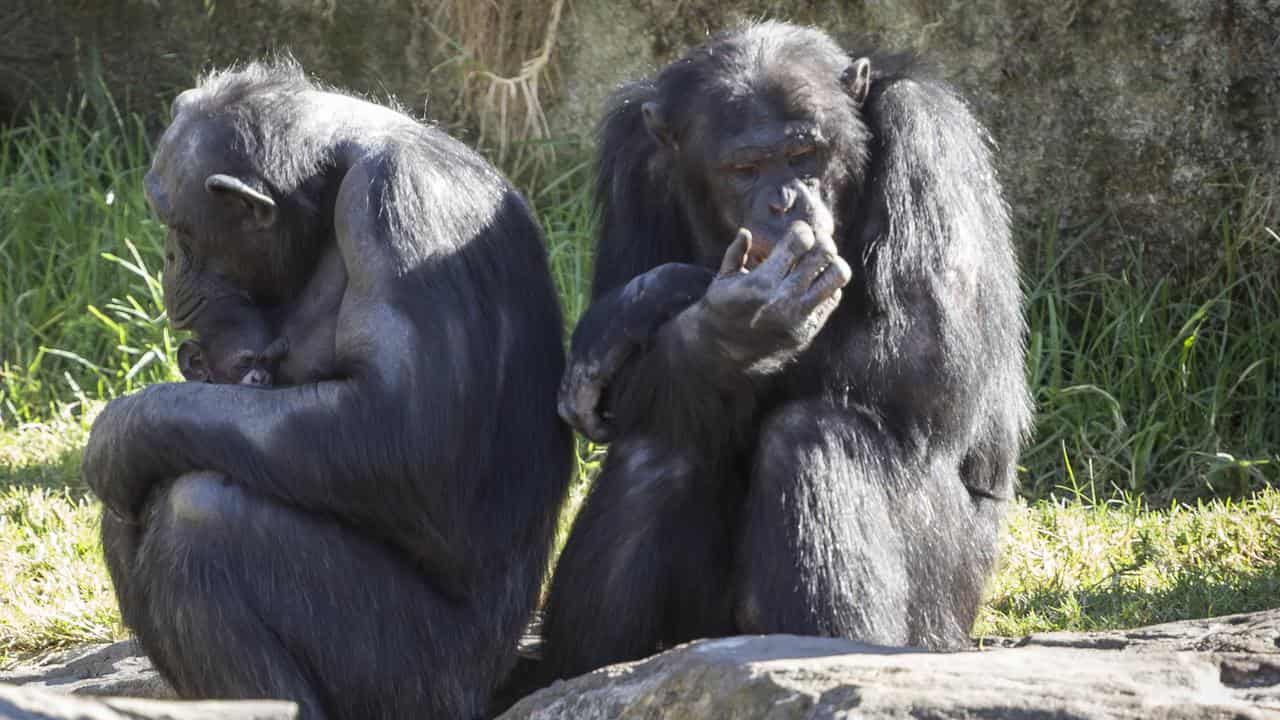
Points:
(820, 553)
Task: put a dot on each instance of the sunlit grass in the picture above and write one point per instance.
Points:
(80, 310)
(1068, 565)
(54, 589)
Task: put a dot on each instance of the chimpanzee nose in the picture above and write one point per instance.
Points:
(783, 200)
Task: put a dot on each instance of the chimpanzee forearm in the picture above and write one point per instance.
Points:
(682, 387)
(252, 436)
(617, 326)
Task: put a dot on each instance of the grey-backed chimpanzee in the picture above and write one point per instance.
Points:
(369, 545)
(806, 343)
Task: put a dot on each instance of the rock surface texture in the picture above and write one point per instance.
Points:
(1226, 667)
(22, 703)
(115, 669)
(1223, 668)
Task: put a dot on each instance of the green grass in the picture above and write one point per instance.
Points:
(80, 309)
(1072, 565)
(1159, 385)
(1153, 392)
(54, 589)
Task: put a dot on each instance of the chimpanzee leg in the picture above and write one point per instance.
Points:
(645, 565)
(120, 541)
(235, 596)
(845, 534)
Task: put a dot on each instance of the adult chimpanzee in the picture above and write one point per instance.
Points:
(369, 545)
(788, 455)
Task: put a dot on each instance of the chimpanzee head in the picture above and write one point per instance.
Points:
(235, 343)
(231, 363)
(240, 222)
(762, 129)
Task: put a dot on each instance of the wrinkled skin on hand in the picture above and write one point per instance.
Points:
(770, 313)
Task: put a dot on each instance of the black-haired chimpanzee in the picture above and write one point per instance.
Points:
(369, 544)
(806, 345)
(235, 342)
(235, 346)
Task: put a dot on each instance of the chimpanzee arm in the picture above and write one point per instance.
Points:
(617, 325)
(701, 372)
(393, 415)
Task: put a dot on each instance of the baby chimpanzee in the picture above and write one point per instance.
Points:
(236, 348)
(236, 342)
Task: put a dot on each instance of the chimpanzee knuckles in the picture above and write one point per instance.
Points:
(261, 204)
(580, 392)
(833, 277)
(808, 268)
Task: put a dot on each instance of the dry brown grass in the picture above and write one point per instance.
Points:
(503, 52)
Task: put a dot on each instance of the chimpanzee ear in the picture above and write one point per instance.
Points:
(262, 206)
(191, 361)
(857, 80)
(657, 125)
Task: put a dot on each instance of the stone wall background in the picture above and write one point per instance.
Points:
(1143, 119)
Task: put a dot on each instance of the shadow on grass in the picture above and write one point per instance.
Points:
(55, 471)
(1121, 603)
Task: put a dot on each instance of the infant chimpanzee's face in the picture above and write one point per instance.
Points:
(200, 362)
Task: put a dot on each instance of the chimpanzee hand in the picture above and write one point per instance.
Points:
(613, 328)
(763, 317)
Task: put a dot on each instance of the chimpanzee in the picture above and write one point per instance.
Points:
(234, 342)
(806, 344)
(235, 363)
(233, 345)
(369, 544)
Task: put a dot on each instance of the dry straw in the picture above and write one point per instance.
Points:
(505, 50)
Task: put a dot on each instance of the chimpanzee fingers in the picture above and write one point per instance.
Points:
(580, 392)
(807, 270)
(828, 283)
(735, 257)
(797, 241)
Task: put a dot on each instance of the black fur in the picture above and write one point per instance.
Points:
(855, 487)
(372, 544)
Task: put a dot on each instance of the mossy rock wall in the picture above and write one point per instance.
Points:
(1144, 115)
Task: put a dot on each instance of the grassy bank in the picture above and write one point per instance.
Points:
(1146, 483)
